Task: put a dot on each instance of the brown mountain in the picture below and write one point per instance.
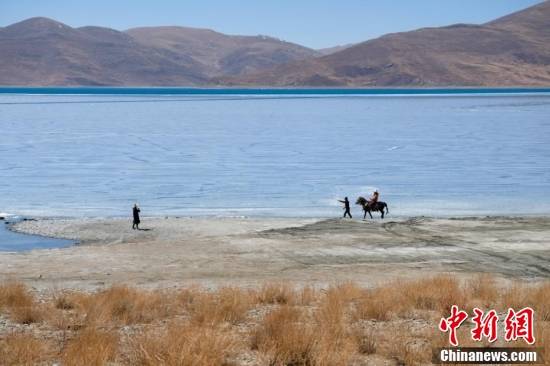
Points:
(221, 54)
(41, 51)
(513, 50)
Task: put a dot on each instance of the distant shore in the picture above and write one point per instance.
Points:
(247, 251)
(268, 90)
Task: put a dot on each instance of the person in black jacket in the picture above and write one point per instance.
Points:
(135, 212)
(346, 207)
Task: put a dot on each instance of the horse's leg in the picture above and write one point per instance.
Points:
(364, 214)
(382, 211)
(370, 214)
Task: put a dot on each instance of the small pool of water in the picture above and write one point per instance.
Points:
(15, 242)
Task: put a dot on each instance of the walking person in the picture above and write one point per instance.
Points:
(346, 207)
(135, 212)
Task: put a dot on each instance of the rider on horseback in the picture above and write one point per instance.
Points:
(373, 199)
(372, 204)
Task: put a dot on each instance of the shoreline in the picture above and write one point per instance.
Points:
(269, 89)
(13, 226)
(247, 251)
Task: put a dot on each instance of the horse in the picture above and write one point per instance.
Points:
(378, 206)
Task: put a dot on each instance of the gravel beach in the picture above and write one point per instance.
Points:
(246, 251)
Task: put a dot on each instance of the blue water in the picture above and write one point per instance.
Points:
(272, 152)
(11, 241)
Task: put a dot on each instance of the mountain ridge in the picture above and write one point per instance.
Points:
(509, 51)
(513, 50)
(43, 51)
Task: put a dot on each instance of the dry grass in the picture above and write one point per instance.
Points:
(437, 293)
(91, 347)
(285, 337)
(276, 293)
(290, 335)
(121, 305)
(14, 294)
(376, 304)
(186, 344)
(542, 336)
(307, 295)
(20, 303)
(27, 314)
(277, 324)
(336, 343)
(228, 304)
(23, 349)
(482, 291)
(63, 301)
(538, 297)
(366, 341)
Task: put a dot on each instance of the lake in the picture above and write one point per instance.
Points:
(13, 242)
(448, 153)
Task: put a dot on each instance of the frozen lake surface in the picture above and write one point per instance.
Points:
(277, 155)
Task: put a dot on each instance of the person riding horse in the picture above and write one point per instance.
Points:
(373, 199)
(373, 204)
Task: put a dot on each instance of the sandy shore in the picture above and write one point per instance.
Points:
(236, 251)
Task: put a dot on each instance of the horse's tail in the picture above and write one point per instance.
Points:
(387, 209)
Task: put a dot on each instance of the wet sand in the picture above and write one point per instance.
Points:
(247, 251)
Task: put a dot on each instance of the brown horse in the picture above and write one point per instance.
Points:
(367, 208)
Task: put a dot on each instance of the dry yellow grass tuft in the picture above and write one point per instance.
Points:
(63, 301)
(482, 291)
(335, 341)
(542, 336)
(277, 293)
(437, 293)
(91, 347)
(20, 303)
(23, 349)
(183, 344)
(14, 294)
(539, 299)
(536, 296)
(123, 305)
(376, 304)
(306, 295)
(286, 337)
(228, 304)
(366, 341)
(27, 314)
(290, 335)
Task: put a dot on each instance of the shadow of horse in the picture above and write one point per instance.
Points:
(367, 208)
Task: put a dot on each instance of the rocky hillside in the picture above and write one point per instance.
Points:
(513, 50)
(510, 51)
(41, 51)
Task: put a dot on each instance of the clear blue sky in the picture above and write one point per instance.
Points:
(313, 23)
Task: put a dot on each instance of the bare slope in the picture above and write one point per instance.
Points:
(41, 51)
(513, 50)
(218, 53)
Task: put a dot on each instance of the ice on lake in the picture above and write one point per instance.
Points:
(92, 155)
